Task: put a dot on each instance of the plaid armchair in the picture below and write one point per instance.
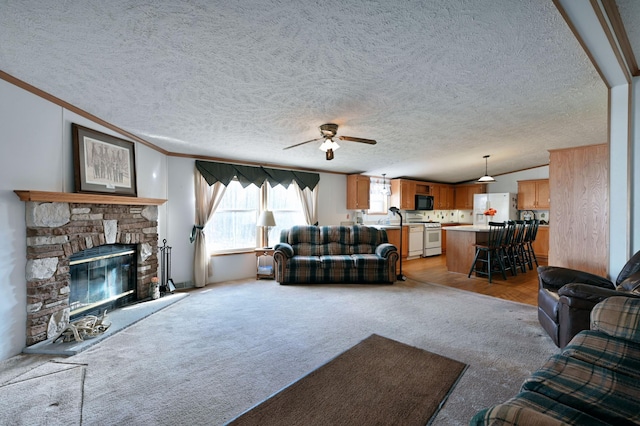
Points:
(335, 254)
(594, 381)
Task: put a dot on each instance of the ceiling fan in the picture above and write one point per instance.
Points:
(328, 132)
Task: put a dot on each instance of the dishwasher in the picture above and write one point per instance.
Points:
(416, 241)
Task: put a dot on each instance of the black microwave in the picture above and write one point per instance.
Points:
(424, 202)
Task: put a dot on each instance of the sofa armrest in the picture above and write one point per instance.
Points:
(618, 317)
(285, 250)
(576, 294)
(385, 249)
(554, 277)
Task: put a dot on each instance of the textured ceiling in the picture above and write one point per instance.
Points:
(438, 84)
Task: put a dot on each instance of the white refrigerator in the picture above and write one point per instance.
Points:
(505, 205)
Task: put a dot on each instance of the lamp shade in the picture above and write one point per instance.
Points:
(486, 178)
(266, 219)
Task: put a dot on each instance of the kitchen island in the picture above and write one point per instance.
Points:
(460, 246)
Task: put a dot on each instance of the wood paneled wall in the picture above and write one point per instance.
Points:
(579, 212)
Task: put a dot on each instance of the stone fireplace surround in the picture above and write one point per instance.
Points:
(62, 224)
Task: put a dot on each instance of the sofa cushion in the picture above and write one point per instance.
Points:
(337, 261)
(335, 240)
(370, 267)
(304, 234)
(594, 347)
(530, 408)
(304, 269)
(365, 239)
(335, 234)
(618, 316)
(602, 393)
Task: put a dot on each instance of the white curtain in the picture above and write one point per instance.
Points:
(309, 200)
(207, 201)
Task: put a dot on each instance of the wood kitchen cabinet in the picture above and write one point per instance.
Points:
(533, 194)
(393, 235)
(443, 197)
(403, 194)
(463, 198)
(358, 192)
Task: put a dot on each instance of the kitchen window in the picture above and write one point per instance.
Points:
(379, 192)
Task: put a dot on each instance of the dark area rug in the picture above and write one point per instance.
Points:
(378, 381)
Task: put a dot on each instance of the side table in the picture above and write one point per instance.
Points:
(265, 263)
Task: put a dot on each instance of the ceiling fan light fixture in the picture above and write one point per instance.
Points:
(486, 178)
(329, 154)
(329, 144)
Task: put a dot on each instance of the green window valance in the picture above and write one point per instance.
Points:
(223, 172)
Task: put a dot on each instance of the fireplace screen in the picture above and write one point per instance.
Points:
(102, 278)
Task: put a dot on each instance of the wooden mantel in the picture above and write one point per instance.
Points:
(71, 197)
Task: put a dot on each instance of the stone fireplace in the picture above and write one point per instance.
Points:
(60, 226)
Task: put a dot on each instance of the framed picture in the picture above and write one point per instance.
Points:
(103, 163)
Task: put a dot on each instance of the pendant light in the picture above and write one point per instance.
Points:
(486, 178)
(385, 190)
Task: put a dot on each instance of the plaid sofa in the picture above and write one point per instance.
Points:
(594, 381)
(334, 254)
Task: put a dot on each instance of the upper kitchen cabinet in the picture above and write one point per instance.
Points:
(443, 197)
(358, 192)
(403, 194)
(464, 194)
(533, 194)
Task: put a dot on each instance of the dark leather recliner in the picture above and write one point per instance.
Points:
(567, 296)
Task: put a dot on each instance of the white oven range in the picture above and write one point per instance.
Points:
(432, 239)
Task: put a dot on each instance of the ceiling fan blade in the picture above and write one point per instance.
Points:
(302, 143)
(361, 140)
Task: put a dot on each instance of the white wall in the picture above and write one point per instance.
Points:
(332, 200)
(620, 232)
(635, 167)
(36, 154)
(509, 181)
(181, 216)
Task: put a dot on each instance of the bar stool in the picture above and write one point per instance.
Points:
(506, 248)
(518, 253)
(530, 237)
(491, 261)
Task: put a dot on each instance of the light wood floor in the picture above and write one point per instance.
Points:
(522, 288)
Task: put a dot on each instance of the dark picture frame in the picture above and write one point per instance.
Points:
(103, 164)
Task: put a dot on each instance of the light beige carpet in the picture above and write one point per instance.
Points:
(49, 394)
(227, 347)
(378, 381)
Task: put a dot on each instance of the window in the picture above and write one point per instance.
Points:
(286, 207)
(379, 191)
(233, 225)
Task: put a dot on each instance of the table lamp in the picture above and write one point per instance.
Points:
(266, 220)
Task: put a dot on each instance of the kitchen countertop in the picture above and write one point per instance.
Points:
(468, 228)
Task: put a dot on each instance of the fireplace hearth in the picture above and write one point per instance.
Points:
(57, 232)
